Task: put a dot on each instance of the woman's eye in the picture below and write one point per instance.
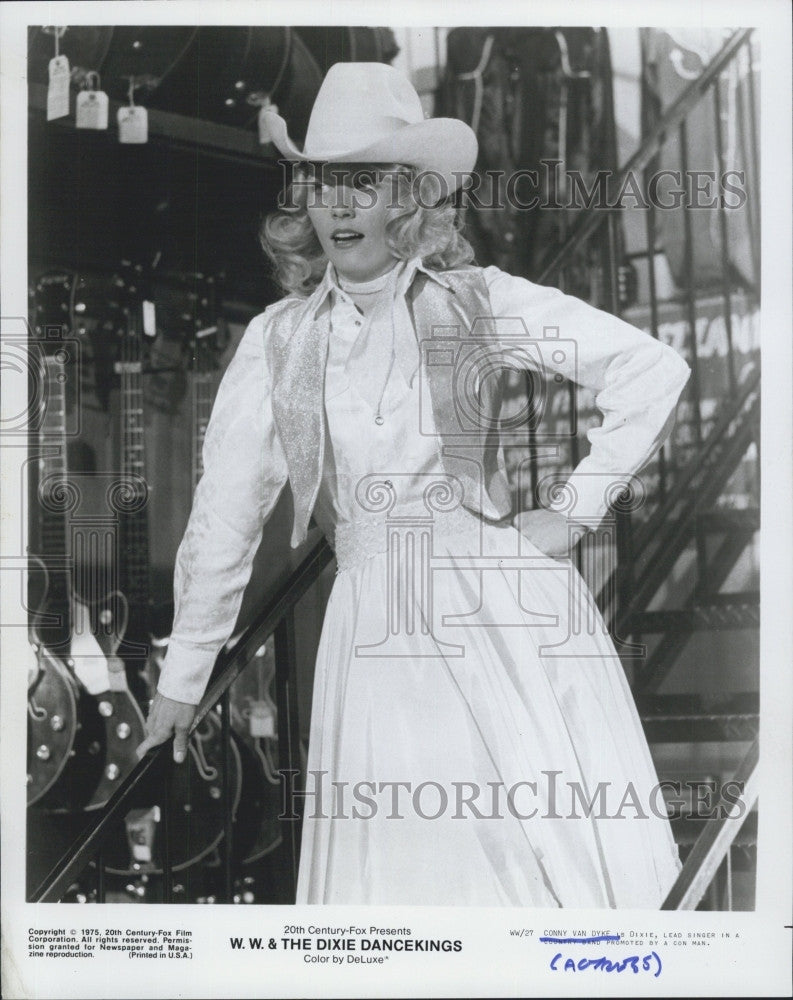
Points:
(364, 180)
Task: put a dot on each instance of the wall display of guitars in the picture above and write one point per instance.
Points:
(65, 752)
(104, 716)
(97, 636)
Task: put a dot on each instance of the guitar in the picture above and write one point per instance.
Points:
(95, 625)
(64, 730)
(196, 786)
(254, 717)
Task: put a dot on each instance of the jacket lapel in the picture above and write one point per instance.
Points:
(457, 339)
(298, 357)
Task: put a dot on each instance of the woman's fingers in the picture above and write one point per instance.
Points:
(157, 732)
(180, 744)
(168, 718)
(147, 744)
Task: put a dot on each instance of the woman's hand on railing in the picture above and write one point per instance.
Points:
(547, 530)
(168, 718)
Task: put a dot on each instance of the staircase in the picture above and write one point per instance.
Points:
(685, 579)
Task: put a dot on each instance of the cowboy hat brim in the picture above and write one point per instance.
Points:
(446, 146)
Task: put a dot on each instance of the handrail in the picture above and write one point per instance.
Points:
(228, 666)
(714, 842)
(588, 219)
(231, 662)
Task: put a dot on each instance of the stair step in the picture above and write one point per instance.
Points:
(744, 519)
(722, 611)
(734, 727)
(686, 830)
(695, 718)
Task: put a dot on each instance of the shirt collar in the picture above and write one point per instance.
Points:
(330, 283)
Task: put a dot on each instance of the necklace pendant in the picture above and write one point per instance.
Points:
(379, 420)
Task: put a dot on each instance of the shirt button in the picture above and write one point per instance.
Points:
(357, 322)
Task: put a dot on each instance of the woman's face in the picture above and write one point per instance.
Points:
(349, 206)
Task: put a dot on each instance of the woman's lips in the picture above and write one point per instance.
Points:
(345, 237)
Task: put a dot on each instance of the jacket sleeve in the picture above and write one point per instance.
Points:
(636, 379)
(244, 473)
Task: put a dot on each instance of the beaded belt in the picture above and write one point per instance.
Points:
(359, 540)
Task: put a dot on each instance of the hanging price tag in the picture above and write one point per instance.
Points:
(133, 124)
(264, 126)
(149, 316)
(92, 108)
(261, 721)
(141, 827)
(58, 89)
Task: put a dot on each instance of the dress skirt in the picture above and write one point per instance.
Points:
(473, 738)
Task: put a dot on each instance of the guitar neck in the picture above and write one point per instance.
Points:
(203, 396)
(204, 329)
(133, 498)
(55, 498)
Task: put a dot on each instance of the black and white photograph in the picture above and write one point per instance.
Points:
(397, 488)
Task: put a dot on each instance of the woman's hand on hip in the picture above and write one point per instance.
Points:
(168, 718)
(547, 530)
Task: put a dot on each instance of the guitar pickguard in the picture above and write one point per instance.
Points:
(98, 632)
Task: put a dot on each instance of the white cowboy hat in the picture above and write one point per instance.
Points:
(371, 113)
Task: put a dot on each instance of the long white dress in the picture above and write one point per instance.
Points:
(468, 744)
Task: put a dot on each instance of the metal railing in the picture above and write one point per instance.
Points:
(689, 480)
(673, 505)
(687, 489)
(714, 843)
(276, 619)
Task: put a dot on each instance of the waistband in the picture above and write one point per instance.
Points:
(362, 539)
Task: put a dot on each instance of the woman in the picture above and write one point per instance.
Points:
(468, 743)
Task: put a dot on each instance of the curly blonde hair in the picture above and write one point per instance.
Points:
(431, 233)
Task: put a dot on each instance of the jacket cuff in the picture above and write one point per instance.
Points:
(186, 672)
(586, 497)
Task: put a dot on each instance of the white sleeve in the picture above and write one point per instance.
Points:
(636, 379)
(244, 472)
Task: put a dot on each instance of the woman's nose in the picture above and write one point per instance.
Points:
(343, 206)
